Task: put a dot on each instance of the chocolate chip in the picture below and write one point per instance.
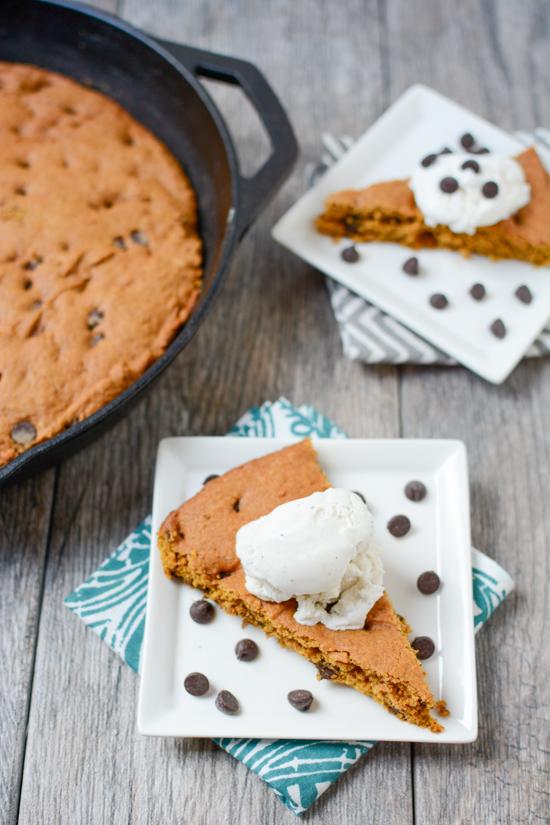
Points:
(478, 292)
(246, 650)
(428, 160)
(350, 255)
(196, 684)
(446, 151)
(498, 329)
(326, 672)
(95, 339)
(415, 490)
(490, 189)
(424, 647)
(524, 294)
(227, 703)
(361, 496)
(23, 433)
(448, 185)
(201, 611)
(471, 164)
(300, 699)
(439, 301)
(33, 263)
(411, 266)
(139, 237)
(399, 526)
(94, 318)
(467, 140)
(428, 582)
(210, 478)
(119, 242)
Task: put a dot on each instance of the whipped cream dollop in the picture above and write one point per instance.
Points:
(475, 201)
(320, 551)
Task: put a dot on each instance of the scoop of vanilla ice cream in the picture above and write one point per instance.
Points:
(318, 550)
(467, 208)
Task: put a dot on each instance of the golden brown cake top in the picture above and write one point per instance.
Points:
(200, 536)
(100, 260)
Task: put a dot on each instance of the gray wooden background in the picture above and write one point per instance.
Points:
(69, 752)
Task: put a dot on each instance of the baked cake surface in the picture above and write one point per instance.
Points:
(387, 211)
(100, 258)
(197, 544)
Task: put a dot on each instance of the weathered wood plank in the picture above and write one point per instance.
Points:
(275, 312)
(24, 520)
(492, 58)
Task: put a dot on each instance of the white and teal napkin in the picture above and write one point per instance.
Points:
(112, 603)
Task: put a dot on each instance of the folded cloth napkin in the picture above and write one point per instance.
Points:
(370, 335)
(112, 603)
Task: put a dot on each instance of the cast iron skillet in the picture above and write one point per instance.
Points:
(157, 82)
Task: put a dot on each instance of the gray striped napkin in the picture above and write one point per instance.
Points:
(373, 336)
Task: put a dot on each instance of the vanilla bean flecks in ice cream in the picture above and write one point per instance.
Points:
(320, 551)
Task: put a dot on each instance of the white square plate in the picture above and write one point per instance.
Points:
(439, 540)
(419, 122)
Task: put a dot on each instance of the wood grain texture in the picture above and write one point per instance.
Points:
(505, 775)
(24, 521)
(336, 67)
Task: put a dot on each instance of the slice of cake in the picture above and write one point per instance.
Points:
(197, 545)
(461, 188)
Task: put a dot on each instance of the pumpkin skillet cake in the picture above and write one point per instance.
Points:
(197, 544)
(489, 205)
(100, 257)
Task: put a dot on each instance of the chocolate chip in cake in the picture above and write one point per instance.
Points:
(350, 255)
(411, 266)
(119, 242)
(246, 650)
(325, 672)
(429, 160)
(415, 491)
(448, 185)
(490, 189)
(399, 526)
(478, 292)
(210, 478)
(467, 140)
(524, 294)
(439, 301)
(23, 433)
(424, 647)
(361, 496)
(201, 611)
(473, 165)
(196, 684)
(498, 329)
(94, 318)
(33, 263)
(227, 703)
(300, 699)
(95, 339)
(139, 237)
(428, 582)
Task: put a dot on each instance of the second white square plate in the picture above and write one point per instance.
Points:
(419, 122)
(439, 540)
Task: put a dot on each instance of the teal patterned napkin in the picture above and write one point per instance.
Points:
(112, 602)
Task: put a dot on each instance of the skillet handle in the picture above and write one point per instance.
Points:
(260, 188)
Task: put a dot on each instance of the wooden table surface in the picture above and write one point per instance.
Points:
(69, 751)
